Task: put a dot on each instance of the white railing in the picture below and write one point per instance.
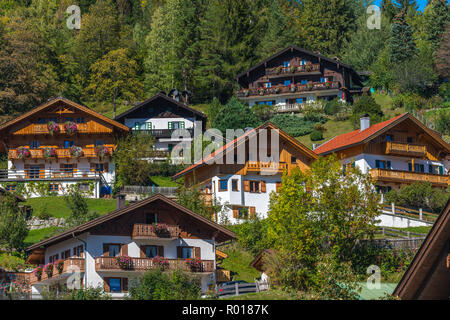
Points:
(45, 174)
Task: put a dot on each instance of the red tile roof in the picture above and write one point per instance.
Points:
(355, 137)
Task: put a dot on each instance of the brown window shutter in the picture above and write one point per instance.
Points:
(105, 167)
(161, 251)
(235, 213)
(105, 250)
(278, 186)
(263, 186)
(106, 285)
(252, 212)
(41, 171)
(246, 186)
(197, 252)
(179, 252)
(142, 251)
(124, 284)
(124, 249)
(74, 251)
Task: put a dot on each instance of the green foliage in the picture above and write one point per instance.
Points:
(443, 121)
(333, 107)
(158, 285)
(366, 104)
(316, 135)
(264, 111)
(79, 209)
(238, 262)
(437, 16)
(297, 126)
(414, 75)
(11, 262)
(402, 46)
(13, 226)
(419, 195)
(89, 293)
(444, 91)
(252, 235)
(43, 213)
(306, 228)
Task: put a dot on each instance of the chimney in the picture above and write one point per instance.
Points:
(120, 201)
(365, 121)
(315, 146)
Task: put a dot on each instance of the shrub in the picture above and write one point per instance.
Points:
(316, 135)
(252, 234)
(264, 111)
(443, 121)
(414, 102)
(297, 126)
(444, 91)
(10, 262)
(43, 213)
(366, 104)
(333, 107)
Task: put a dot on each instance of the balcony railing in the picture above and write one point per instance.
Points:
(145, 231)
(286, 71)
(163, 133)
(42, 128)
(61, 153)
(144, 264)
(402, 148)
(46, 174)
(70, 265)
(266, 166)
(409, 177)
(291, 89)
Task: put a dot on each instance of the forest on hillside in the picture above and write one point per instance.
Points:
(127, 50)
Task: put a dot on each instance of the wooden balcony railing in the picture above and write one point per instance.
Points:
(266, 166)
(42, 128)
(145, 231)
(61, 153)
(409, 177)
(162, 133)
(291, 89)
(70, 265)
(286, 71)
(402, 148)
(30, 174)
(144, 264)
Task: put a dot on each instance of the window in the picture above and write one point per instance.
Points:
(254, 186)
(42, 120)
(435, 169)
(67, 167)
(304, 82)
(113, 249)
(65, 254)
(223, 185)
(286, 64)
(99, 167)
(234, 184)
(287, 82)
(409, 139)
(299, 100)
(83, 187)
(69, 119)
(388, 137)
(148, 126)
(186, 252)
(80, 120)
(381, 164)
(53, 187)
(243, 213)
(114, 285)
(78, 251)
(269, 103)
(150, 218)
(268, 85)
(151, 251)
(34, 172)
(68, 144)
(55, 120)
(53, 258)
(137, 126)
(303, 62)
(293, 160)
(11, 187)
(34, 144)
(98, 143)
(176, 125)
(322, 80)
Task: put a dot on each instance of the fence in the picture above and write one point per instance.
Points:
(236, 289)
(413, 213)
(138, 190)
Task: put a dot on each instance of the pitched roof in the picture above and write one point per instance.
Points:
(224, 233)
(4, 191)
(356, 137)
(428, 276)
(241, 139)
(257, 262)
(160, 95)
(51, 102)
(292, 48)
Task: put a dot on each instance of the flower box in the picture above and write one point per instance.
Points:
(38, 272)
(124, 262)
(76, 151)
(195, 264)
(102, 151)
(52, 127)
(50, 152)
(161, 262)
(70, 127)
(159, 228)
(48, 269)
(59, 266)
(23, 153)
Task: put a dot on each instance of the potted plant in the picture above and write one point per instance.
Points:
(76, 151)
(48, 269)
(261, 91)
(277, 89)
(160, 262)
(70, 127)
(124, 262)
(38, 272)
(291, 87)
(309, 67)
(293, 69)
(309, 86)
(50, 152)
(23, 153)
(102, 151)
(59, 265)
(195, 264)
(52, 127)
(159, 228)
(328, 84)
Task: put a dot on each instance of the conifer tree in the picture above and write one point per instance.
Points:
(388, 9)
(402, 45)
(436, 17)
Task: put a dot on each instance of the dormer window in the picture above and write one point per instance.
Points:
(286, 64)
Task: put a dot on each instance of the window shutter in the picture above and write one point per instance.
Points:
(235, 213)
(105, 250)
(252, 212)
(124, 250)
(179, 252)
(124, 284)
(142, 251)
(246, 186)
(388, 165)
(441, 170)
(197, 252)
(278, 186)
(263, 186)
(74, 251)
(161, 251)
(409, 166)
(106, 285)
(170, 125)
(422, 168)
(377, 163)
(430, 168)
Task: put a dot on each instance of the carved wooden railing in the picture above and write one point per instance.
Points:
(265, 166)
(285, 71)
(408, 176)
(70, 265)
(145, 231)
(405, 148)
(61, 153)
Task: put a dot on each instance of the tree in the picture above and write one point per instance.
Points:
(318, 216)
(13, 225)
(402, 46)
(264, 111)
(366, 104)
(406, 5)
(113, 77)
(414, 75)
(436, 17)
(77, 204)
(252, 234)
(159, 285)
(327, 24)
(442, 55)
(388, 9)
(233, 115)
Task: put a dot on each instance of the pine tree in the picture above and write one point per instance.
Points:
(436, 17)
(388, 9)
(407, 5)
(402, 46)
(327, 24)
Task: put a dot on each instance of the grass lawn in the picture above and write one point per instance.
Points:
(238, 262)
(264, 295)
(333, 129)
(38, 235)
(161, 181)
(56, 206)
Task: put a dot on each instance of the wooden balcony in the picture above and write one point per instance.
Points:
(42, 128)
(48, 174)
(409, 177)
(145, 231)
(266, 167)
(61, 153)
(82, 128)
(406, 149)
(293, 71)
(105, 264)
(71, 265)
(162, 133)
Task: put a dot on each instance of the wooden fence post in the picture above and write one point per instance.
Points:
(393, 208)
(236, 286)
(420, 214)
